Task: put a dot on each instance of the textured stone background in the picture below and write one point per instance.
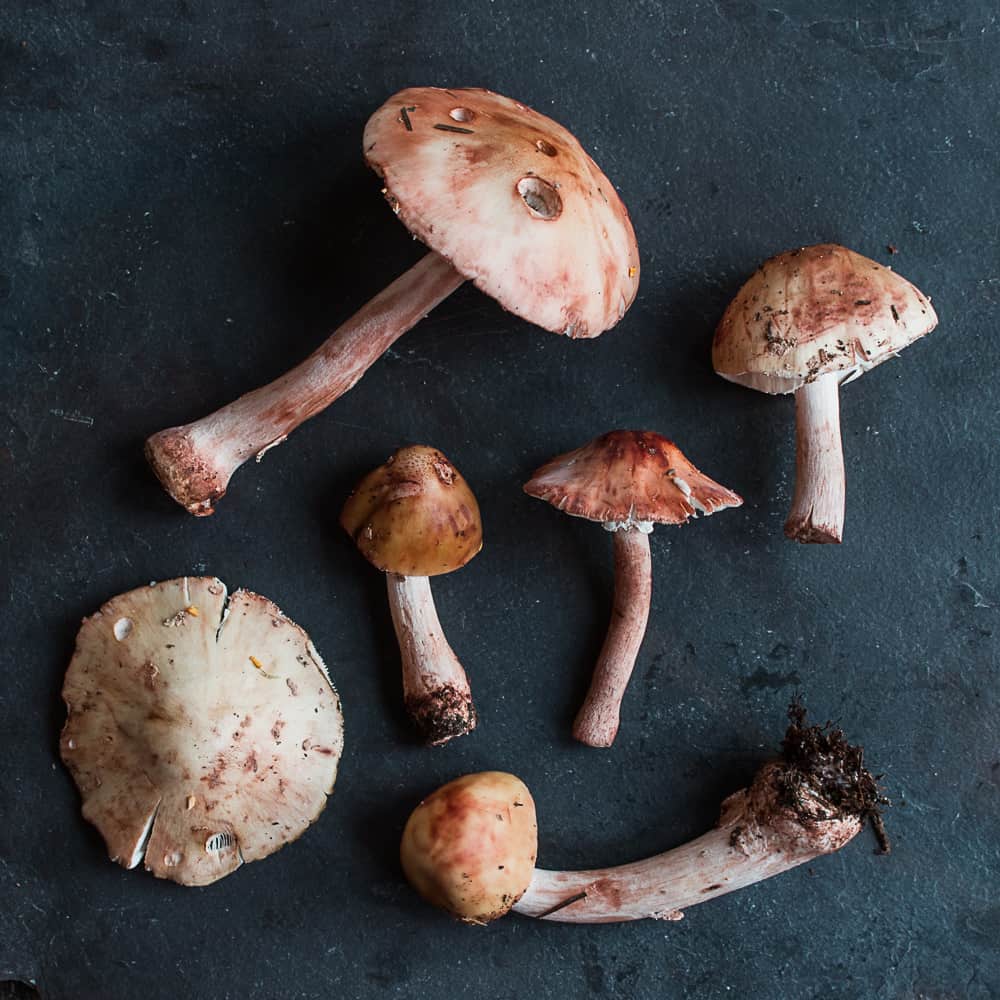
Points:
(184, 211)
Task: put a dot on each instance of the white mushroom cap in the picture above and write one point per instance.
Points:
(512, 200)
(201, 733)
(816, 310)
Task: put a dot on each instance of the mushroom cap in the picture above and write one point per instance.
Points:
(815, 310)
(629, 479)
(186, 752)
(470, 846)
(415, 515)
(511, 199)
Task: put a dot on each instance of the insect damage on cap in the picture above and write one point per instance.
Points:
(512, 200)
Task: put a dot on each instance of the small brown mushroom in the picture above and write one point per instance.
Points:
(415, 517)
(809, 321)
(628, 480)
(812, 801)
(470, 847)
(504, 197)
(201, 733)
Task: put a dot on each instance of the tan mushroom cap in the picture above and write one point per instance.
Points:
(415, 515)
(629, 479)
(470, 846)
(816, 310)
(201, 734)
(512, 200)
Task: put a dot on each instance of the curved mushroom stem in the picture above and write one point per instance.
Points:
(817, 513)
(597, 721)
(757, 837)
(195, 462)
(436, 691)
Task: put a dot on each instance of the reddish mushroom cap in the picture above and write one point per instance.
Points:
(629, 479)
(816, 310)
(512, 200)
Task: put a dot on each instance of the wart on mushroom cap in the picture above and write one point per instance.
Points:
(200, 733)
(415, 517)
(807, 322)
(629, 480)
(503, 196)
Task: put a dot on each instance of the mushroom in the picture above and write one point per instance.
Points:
(201, 733)
(470, 847)
(413, 518)
(502, 196)
(628, 480)
(809, 321)
(459, 842)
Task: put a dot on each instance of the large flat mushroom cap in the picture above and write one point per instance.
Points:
(414, 515)
(201, 733)
(512, 200)
(815, 310)
(629, 479)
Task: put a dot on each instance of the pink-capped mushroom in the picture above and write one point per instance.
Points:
(629, 481)
(469, 847)
(809, 321)
(502, 196)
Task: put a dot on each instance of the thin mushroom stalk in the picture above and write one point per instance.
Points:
(501, 196)
(462, 842)
(597, 722)
(436, 690)
(195, 462)
(629, 481)
(817, 513)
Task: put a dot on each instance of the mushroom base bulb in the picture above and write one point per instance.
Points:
(470, 847)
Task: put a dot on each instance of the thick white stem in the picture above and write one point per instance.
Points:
(597, 721)
(817, 513)
(194, 462)
(435, 688)
(753, 841)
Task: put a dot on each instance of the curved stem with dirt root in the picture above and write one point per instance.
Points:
(436, 690)
(597, 721)
(194, 462)
(811, 802)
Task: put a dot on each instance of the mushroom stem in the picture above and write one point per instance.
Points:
(756, 838)
(194, 462)
(435, 688)
(597, 721)
(817, 513)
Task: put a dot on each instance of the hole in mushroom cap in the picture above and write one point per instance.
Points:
(542, 198)
(461, 114)
(122, 628)
(546, 147)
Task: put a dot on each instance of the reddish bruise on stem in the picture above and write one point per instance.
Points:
(629, 481)
(502, 196)
(809, 321)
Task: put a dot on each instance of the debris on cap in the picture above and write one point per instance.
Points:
(201, 733)
(629, 479)
(816, 310)
(512, 200)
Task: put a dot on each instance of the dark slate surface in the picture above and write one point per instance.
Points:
(184, 211)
